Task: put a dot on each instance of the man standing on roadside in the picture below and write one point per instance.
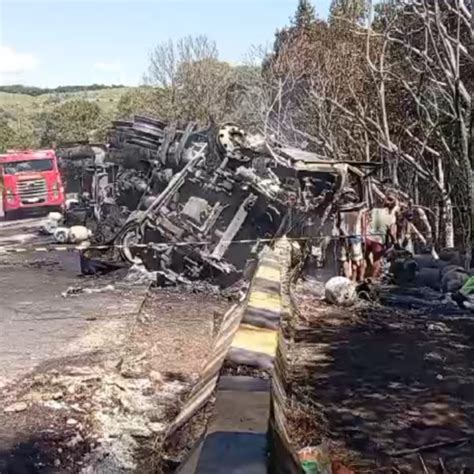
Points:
(381, 234)
(350, 225)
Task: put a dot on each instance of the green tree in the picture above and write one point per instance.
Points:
(16, 135)
(75, 120)
(145, 100)
(24, 137)
(6, 135)
(305, 15)
(46, 129)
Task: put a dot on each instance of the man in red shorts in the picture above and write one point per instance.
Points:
(382, 229)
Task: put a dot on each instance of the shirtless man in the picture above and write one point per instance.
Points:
(350, 226)
(381, 234)
(407, 232)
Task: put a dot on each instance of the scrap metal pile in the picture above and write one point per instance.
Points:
(195, 203)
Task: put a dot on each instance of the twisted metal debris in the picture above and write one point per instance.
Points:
(193, 203)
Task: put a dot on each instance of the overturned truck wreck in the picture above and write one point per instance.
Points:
(196, 203)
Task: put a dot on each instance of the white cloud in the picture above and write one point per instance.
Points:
(105, 66)
(13, 62)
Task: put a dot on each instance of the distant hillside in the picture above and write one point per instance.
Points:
(30, 121)
(18, 107)
(36, 91)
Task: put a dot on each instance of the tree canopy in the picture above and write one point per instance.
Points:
(16, 136)
(76, 120)
(348, 10)
(305, 14)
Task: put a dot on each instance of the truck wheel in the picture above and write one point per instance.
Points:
(129, 236)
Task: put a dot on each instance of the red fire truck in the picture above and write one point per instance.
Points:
(30, 180)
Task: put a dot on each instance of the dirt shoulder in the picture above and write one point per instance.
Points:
(375, 381)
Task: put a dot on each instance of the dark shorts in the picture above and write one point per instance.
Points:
(375, 248)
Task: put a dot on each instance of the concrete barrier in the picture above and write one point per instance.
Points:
(236, 438)
(255, 342)
(283, 458)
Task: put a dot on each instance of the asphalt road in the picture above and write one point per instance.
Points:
(21, 233)
(89, 358)
(37, 323)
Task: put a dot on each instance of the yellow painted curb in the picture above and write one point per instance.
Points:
(269, 273)
(256, 339)
(265, 300)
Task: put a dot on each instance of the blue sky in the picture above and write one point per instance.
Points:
(57, 42)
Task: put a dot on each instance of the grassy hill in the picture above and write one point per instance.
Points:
(18, 107)
(42, 119)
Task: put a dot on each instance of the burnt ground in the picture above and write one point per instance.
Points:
(80, 410)
(374, 381)
(93, 379)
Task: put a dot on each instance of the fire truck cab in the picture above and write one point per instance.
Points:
(30, 180)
